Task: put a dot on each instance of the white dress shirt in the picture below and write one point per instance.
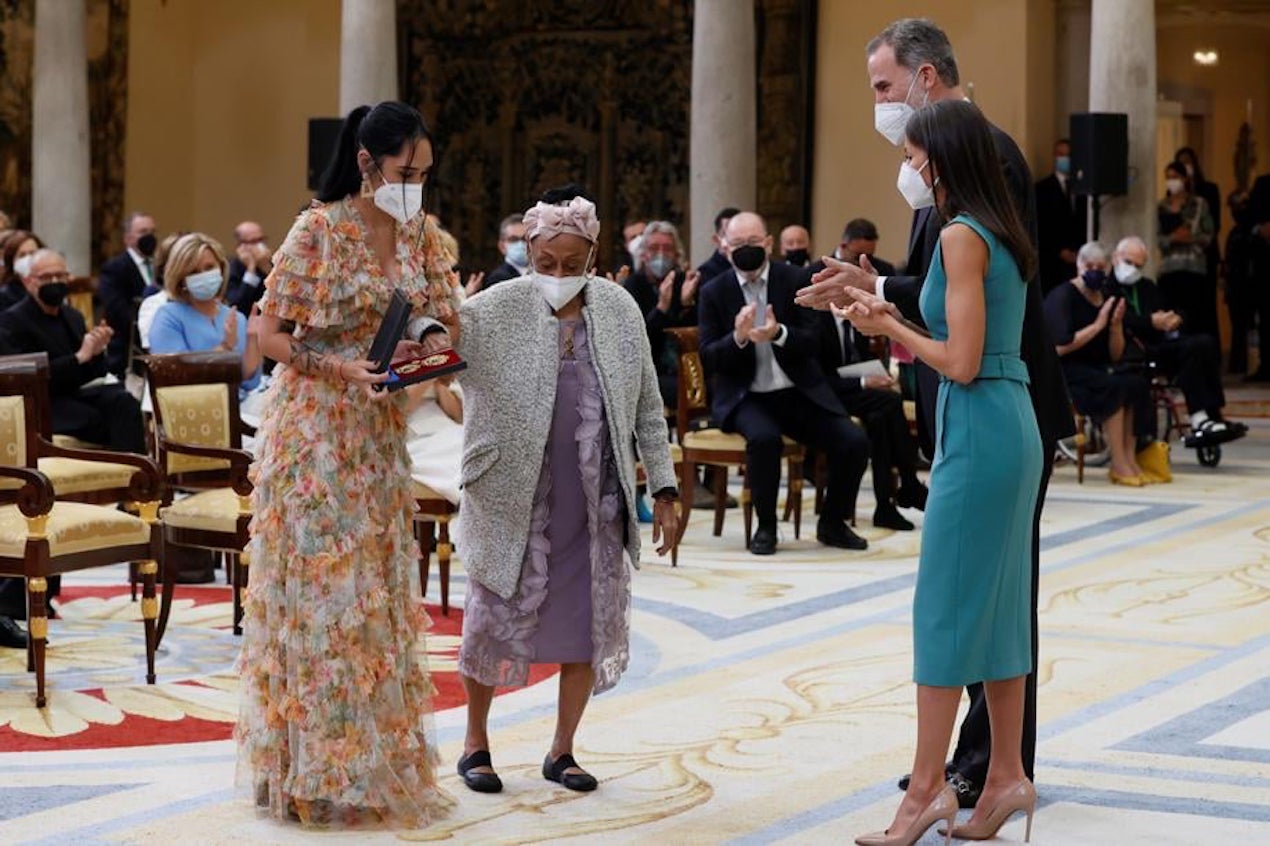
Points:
(768, 375)
(144, 265)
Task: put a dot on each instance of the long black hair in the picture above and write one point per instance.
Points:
(382, 131)
(958, 142)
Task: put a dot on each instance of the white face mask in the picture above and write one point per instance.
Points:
(913, 188)
(559, 290)
(1127, 274)
(632, 247)
(890, 119)
(204, 286)
(1174, 186)
(402, 200)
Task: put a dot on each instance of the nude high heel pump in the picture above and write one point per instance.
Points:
(1021, 797)
(942, 807)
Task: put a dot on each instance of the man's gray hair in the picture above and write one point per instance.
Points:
(510, 220)
(1093, 251)
(664, 227)
(1131, 241)
(127, 221)
(917, 42)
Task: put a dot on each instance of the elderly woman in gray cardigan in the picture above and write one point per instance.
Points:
(560, 392)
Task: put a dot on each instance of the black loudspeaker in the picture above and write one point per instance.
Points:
(324, 133)
(1100, 152)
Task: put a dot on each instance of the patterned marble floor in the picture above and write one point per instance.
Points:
(769, 699)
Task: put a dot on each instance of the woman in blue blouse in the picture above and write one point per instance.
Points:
(196, 318)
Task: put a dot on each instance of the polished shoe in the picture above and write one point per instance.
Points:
(1127, 481)
(479, 782)
(11, 634)
(1021, 797)
(763, 542)
(889, 517)
(942, 807)
(838, 534)
(1214, 433)
(582, 782)
(912, 495)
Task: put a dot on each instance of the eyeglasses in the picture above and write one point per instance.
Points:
(251, 242)
(756, 241)
(54, 277)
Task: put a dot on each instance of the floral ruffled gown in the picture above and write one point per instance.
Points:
(336, 714)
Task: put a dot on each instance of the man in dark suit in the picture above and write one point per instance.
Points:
(511, 243)
(872, 399)
(121, 282)
(718, 261)
(1258, 217)
(1060, 221)
(930, 69)
(248, 268)
(760, 351)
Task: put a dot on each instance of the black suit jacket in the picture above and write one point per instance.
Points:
(731, 368)
(119, 286)
(26, 328)
(240, 295)
(502, 273)
(833, 355)
(644, 290)
(1048, 387)
(713, 266)
(1060, 224)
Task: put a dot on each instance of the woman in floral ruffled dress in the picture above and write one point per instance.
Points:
(336, 713)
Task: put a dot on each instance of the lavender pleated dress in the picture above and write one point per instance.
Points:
(573, 601)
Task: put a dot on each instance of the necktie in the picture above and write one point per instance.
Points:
(149, 265)
(848, 345)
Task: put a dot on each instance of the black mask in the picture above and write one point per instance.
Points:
(749, 258)
(53, 293)
(1094, 279)
(146, 244)
(798, 258)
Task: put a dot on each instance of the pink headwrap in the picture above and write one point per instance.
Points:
(576, 218)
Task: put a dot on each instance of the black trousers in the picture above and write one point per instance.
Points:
(890, 443)
(1194, 362)
(763, 418)
(1195, 296)
(105, 414)
(974, 743)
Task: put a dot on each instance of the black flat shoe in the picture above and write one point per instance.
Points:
(912, 495)
(479, 782)
(839, 535)
(763, 542)
(555, 771)
(11, 634)
(889, 517)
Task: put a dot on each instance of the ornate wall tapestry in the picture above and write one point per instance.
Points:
(107, 34)
(526, 96)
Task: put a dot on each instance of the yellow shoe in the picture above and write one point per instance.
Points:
(1154, 461)
(1128, 481)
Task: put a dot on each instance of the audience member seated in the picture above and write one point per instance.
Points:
(435, 434)
(196, 318)
(1193, 361)
(250, 265)
(859, 243)
(122, 283)
(1256, 219)
(718, 261)
(88, 403)
(1185, 230)
(154, 297)
(18, 247)
(667, 296)
(511, 243)
(1060, 220)
(760, 349)
(629, 258)
(796, 245)
(876, 400)
(1087, 326)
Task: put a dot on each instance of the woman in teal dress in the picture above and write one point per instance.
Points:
(971, 611)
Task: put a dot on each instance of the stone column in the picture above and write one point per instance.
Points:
(61, 183)
(368, 53)
(1072, 60)
(1122, 79)
(723, 150)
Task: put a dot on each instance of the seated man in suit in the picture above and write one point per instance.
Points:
(760, 351)
(859, 246)
(796, 245)
(511, 243)
(248, 268)
(718, 261)
(120, 285)
(86, 402)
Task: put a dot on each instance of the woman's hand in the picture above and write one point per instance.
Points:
(449, 318)
(475, 281)
(362, 372)
(1117, 313)
(1182, 235)
(229, 342)
(868, 313)
(1104, 314)
(665, 525)
(253, 322)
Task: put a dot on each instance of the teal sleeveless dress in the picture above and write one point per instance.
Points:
(972, 606)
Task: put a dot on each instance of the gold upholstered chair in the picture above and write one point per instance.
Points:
(432, 530)
(42, 536)
(716, 448)
(198, 442)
